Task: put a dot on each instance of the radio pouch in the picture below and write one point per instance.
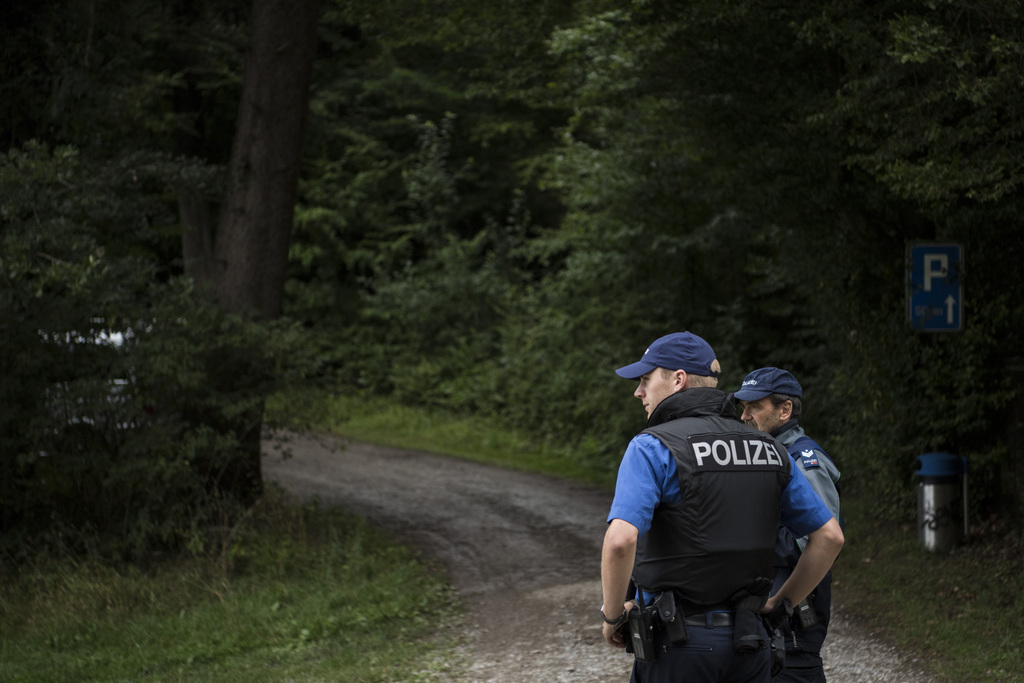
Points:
(641, 633)
(672, 618)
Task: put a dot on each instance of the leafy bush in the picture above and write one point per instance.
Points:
(128, 398)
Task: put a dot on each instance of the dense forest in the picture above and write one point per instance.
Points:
(485, 208)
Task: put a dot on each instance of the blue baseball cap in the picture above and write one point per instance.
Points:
(676, 351)
(766, 381)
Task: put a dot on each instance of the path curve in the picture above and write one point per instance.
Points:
(523, 552)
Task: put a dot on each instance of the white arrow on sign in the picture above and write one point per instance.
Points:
(950, 304)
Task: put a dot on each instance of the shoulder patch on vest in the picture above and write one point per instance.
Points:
(810, 459)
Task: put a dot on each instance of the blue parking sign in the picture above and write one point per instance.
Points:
(935, 290)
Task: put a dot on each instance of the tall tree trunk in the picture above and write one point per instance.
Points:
(250, 250)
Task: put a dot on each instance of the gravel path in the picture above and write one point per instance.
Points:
(523, 552)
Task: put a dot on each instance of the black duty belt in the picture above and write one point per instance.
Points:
(709, 619)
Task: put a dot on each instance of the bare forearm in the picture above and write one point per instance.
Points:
(617, 556)
(615, 572)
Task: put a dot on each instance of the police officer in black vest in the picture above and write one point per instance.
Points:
(771, 401)
(687, 556)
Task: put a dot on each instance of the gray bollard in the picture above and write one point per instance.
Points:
(941, 500)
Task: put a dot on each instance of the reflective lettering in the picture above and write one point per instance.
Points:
(731, 453)
(736, 459)
(716, 448)
(701, 449)
(758, 458)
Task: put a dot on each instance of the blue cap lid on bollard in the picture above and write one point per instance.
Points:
(940, 465)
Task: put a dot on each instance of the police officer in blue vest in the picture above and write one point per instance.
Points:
(771, 402)
(686, 563)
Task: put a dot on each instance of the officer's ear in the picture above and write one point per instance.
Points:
(680, 379)
(786, 411)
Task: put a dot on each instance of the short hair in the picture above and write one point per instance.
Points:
(778, 399)
(696, 381)
(700, 381)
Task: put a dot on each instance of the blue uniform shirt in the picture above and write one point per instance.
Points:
(648, 477)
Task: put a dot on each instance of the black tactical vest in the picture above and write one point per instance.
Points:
(719, 538)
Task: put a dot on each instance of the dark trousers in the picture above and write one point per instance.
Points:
(803, 647)
(801, 674)
(707, 657)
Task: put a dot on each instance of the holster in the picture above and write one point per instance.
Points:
(773, 622)
(748, 631)
(672, 618)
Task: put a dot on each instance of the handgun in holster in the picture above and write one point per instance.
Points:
(748, 633)
(773, 622)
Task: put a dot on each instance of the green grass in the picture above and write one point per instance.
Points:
(302, 595)
(472, 438)
(961, 611)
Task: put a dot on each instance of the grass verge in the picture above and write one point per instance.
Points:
(957, 611)
(301, 594)
(472, 438)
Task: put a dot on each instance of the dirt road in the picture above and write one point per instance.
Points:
(523, 552)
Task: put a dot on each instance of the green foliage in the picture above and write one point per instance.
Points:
(928, 106)
(776, 163)
(126, 395)
(419, 197)
(657, 236)
(66, 298)
(427, 284)
(294, 593)
(922, 117)
(748, 172)
(122, 75)
(131, 399)
(502, 203)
